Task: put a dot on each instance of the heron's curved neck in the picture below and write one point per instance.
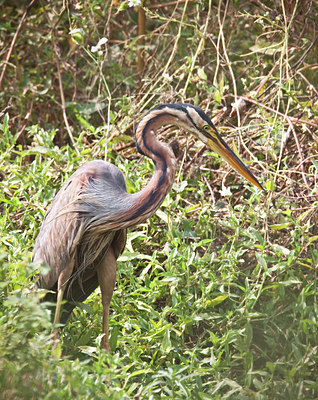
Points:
(151, 196)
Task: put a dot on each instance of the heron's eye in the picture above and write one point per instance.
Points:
(208, 132)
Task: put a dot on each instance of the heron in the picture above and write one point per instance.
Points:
(84, 229)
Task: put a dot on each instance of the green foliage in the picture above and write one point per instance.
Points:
(216, 294)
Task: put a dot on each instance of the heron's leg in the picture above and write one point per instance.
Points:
(61, 286)
(107, 278)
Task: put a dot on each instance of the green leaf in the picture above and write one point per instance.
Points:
(278, 227)
(270, 185)
(201, 74)
(263, 47)
(166, 342)
(162, 215)
(217, 96)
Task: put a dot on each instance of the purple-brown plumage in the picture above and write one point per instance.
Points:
(84, 229)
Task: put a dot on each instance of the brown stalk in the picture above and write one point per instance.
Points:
(141, 39)
(197, 154)
(5, 64)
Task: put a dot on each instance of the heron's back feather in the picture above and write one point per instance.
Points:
(91, 193)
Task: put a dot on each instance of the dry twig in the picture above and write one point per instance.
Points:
(14, 40)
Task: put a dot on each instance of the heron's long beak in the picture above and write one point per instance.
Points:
(217, 144)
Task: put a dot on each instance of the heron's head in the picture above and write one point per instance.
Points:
(194, 120)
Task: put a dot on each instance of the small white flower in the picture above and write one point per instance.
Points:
(101, 41)
(226, 191)
(134, 3)
(167, 76)
(77, 31)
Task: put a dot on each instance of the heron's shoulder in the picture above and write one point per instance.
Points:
(97, 167)
(101, 172)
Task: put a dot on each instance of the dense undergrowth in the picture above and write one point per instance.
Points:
(217, 293)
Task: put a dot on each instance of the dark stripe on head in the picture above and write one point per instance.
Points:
(183, 107)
